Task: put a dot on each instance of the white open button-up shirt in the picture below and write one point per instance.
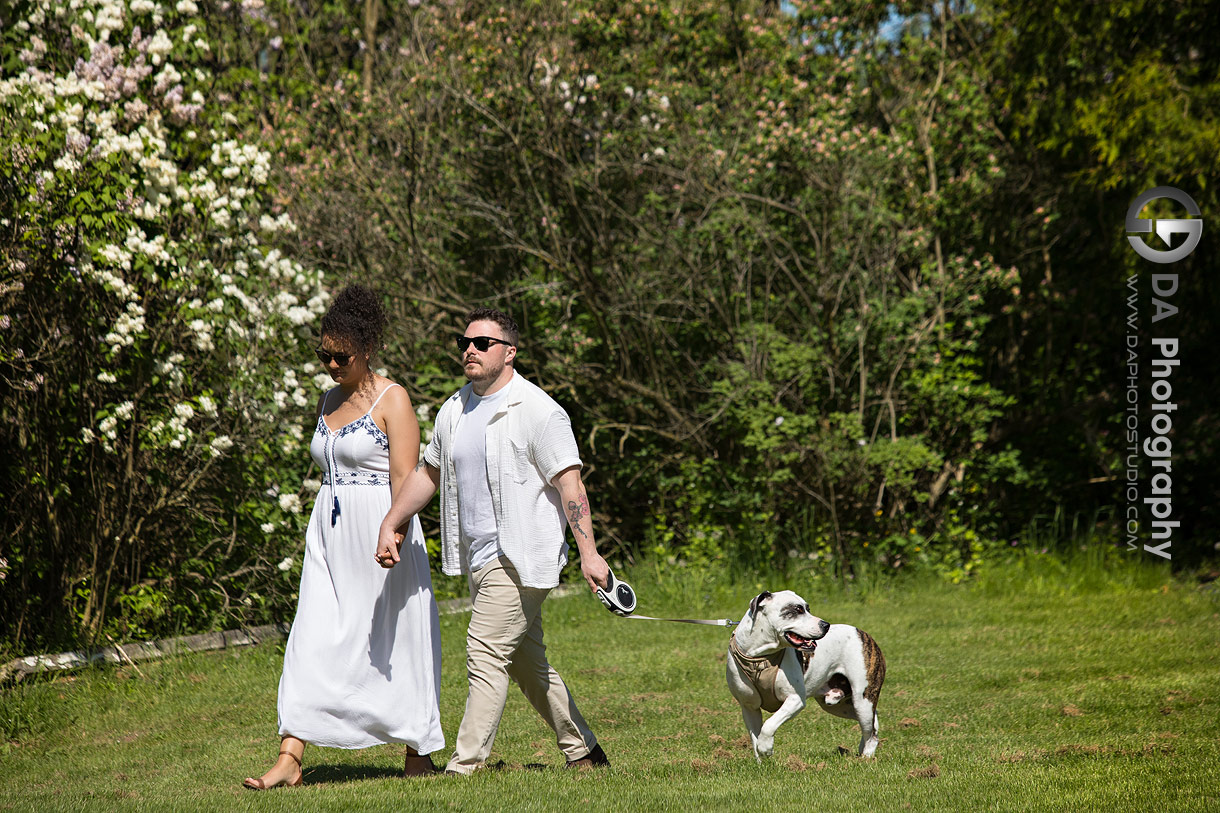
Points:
(529, 442)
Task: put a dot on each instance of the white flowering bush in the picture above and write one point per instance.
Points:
(150, 330)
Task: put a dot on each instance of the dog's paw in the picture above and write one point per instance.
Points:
(763, 747)
(832, 697)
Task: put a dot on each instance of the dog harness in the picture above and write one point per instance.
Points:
(761, 672)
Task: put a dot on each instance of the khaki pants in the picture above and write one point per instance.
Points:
(505, 640)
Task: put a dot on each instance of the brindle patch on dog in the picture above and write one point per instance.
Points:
(874, 666)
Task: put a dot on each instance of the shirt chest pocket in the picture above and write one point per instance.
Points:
(521, 468)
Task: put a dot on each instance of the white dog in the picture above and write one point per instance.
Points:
(773, 666)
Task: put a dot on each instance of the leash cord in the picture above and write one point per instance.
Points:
(716, 622)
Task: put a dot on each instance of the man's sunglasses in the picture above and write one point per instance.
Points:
(340, 358)
(481, 343)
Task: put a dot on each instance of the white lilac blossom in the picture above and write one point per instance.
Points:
(220, 445)
(192, 211)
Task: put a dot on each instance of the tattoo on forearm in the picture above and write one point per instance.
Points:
(420, 465)
(576, 510)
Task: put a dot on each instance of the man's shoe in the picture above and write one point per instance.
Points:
(595, 757)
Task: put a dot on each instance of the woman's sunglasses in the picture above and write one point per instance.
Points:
(340, 358)
(481, 343)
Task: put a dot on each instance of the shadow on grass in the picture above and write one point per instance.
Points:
(341, 774)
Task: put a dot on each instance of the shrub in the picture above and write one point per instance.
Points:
(150, 335)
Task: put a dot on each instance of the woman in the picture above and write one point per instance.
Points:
(363, 660)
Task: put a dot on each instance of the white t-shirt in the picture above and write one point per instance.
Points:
(527, 448)
(477, 516)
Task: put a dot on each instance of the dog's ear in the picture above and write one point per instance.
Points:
(759, 600)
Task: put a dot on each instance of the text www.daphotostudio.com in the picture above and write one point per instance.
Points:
(1156, 445)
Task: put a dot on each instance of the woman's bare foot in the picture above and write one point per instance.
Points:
(285, 772)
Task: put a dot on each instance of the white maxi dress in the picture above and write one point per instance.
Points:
(363, 661)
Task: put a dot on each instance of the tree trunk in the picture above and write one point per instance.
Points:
(372, 9)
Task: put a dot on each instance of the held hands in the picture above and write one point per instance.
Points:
(389, 542)
(595, 570)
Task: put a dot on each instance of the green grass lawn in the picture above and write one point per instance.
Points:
(1040, 687)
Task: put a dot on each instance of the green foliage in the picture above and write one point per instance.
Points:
(146, 321)
(832, 283)
(725, 243)
(1106, 101)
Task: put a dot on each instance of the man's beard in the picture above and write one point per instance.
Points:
(482, 372)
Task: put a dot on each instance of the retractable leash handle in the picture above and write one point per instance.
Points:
(617, 595)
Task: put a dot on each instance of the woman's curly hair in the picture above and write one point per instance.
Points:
(356, 316)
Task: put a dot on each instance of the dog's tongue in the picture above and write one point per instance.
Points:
(800, 642)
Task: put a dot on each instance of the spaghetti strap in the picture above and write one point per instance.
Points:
(383, 392)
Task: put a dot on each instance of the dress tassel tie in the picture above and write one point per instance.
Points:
(331, 441)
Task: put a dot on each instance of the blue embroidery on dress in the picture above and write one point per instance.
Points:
(358, 478)
(370, 427)
(352, 478)
(379, 436)
(365, 422)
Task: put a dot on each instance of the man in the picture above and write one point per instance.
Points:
(505, 460)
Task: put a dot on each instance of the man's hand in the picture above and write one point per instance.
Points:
(388, 543)
(595, 570)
